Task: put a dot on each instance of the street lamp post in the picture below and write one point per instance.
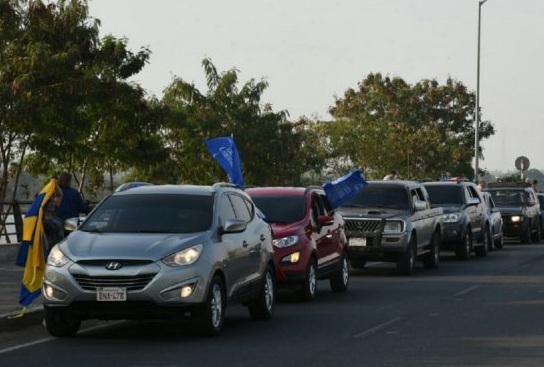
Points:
(477, 113)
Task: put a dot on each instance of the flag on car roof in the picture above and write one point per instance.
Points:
(341, 190)
(32, 253)
(224, 151)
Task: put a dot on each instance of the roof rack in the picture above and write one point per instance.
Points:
(509, 184)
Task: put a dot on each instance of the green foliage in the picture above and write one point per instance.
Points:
(421, 130)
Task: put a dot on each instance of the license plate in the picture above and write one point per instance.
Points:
(357, 242)
(111, 294)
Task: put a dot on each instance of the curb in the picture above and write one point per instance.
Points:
(32, 317)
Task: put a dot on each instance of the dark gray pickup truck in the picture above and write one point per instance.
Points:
(393, 221)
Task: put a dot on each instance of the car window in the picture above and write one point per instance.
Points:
(157, 213)
(281, 209)
(240, 208)
(226, 210)
(445, 194)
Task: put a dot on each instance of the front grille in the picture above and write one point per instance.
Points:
(123, 262)
(131, 283)
(360, 226)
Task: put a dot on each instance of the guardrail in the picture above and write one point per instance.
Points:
(11, 221)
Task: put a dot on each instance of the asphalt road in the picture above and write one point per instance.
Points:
(482, 312)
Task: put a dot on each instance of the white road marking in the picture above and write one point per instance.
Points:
(468, 290)
(375, 329)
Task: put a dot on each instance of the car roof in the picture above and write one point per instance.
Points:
(277, 190)
(447, 183)
(174, 189)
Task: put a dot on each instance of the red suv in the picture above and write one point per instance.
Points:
(309, 238)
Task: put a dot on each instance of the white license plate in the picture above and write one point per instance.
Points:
(357, 242)
(111, 294)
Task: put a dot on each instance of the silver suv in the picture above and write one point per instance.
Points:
(163, 252)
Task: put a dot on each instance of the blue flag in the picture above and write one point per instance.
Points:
(32, 253)
(341, 190)
(225, 153)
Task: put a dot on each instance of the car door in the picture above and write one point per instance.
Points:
(235, 254)
(252, 239)
(331, 231)
(476, 212)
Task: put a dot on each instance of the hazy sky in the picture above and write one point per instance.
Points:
(311, 51)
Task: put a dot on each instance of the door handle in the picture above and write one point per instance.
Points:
(262, 237)
(245, 244)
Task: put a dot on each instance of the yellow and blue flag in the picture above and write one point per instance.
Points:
(32, 253)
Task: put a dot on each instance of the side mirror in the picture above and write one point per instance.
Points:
(233, 226)
(325, 220)
(473, 201)
(71, 224)
(420, 205)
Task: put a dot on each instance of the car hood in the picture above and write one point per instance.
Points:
(84, 245)
(355, 212)
(511, 209)
(449, 208)
(280, 230)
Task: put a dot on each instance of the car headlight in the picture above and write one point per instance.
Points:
(184, 257)
(285, 241)
(451, 218)
(393, 227)
(516, 218)
(57, 258)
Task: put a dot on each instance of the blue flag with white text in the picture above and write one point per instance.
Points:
(224, 151)
(341, 190)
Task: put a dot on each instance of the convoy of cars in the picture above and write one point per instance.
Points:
(188, 251)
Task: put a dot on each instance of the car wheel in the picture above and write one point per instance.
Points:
(526, 236)
(339, 282)
(263, 307)
(59, 324)
(309, 287)
(536, 235)
(490, 240)
(499, 242)
(432, 258)
(208, 318)
(406, 263)
(482, 250)
(465, 247)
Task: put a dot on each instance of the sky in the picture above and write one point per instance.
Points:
(311, 51)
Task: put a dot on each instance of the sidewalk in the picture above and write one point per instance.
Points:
(11, 277)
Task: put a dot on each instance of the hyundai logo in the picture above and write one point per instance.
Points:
(113, 265)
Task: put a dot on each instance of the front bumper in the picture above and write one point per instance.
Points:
(150, 288)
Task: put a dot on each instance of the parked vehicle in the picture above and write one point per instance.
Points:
(466, 225)
(495, 221)
(540, 197)
(162, 252)
(519, 208)
(309, 238)
(393, 221)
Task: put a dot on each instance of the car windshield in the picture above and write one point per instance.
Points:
(281, 209)
(507, 197)
(380, 197)
(445, 194)
(152, 213)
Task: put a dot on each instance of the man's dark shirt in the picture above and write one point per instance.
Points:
(71, 205)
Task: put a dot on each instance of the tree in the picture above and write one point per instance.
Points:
(271, 148)
(422, 131)
(65, 94)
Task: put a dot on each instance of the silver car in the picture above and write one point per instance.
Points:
(163, 252)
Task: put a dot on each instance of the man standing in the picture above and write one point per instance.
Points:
(72, 203)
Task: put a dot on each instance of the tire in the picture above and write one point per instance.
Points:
(209, 317)
(340, 281)
(536, 235)
(491, 241)
(526, 236)
(59, 324)
(264, 305)
(308, 289)
(465, 247)
(483, 249)
(432, 258)
(499, 242)
(406, 262)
